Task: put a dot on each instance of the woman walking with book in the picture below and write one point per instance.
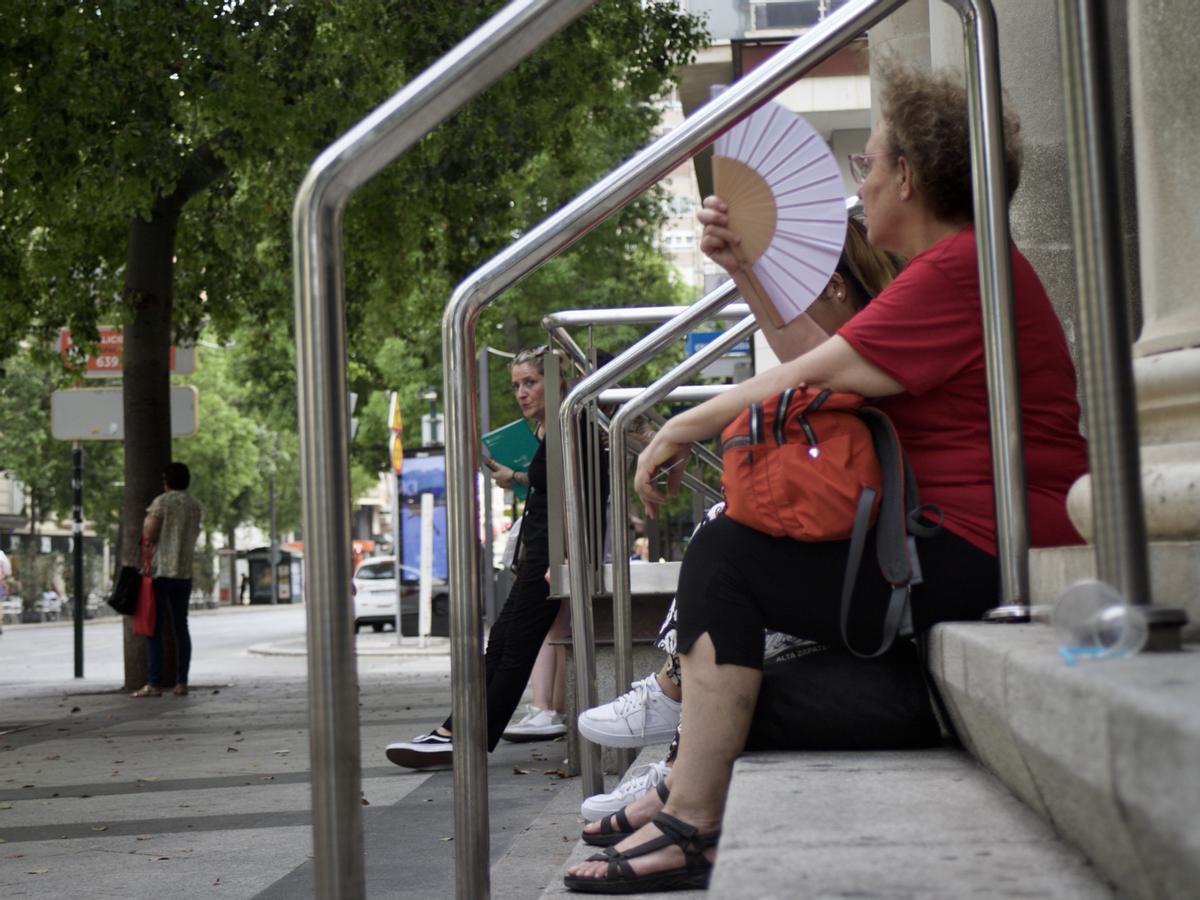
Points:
(517, 635)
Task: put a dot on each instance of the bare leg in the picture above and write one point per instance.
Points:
(723, 698)
(544, 678)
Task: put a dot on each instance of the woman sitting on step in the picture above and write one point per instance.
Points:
(649, 712)
(918, 351)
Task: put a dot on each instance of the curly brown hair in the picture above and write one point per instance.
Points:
(927, 124)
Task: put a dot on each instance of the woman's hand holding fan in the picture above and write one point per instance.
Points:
(785, 211)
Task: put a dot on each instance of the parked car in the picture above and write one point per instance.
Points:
(375, 597)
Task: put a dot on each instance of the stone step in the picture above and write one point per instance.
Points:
(1107, 752)
(926, 824)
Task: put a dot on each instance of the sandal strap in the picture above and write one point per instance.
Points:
(663, 791)
(687, 838)
(622, 826)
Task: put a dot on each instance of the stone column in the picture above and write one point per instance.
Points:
(1165, 72)
(905, 35)
(1040, 215)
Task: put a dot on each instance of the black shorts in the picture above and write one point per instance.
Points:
(736, 581)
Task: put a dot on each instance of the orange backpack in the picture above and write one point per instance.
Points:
(817, 465)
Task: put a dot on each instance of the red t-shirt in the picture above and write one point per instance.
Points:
(926, 331)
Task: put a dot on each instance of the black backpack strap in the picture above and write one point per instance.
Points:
(899, 509)
(898, 602)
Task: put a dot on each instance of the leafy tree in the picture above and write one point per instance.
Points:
(42, 463)
(153, 151)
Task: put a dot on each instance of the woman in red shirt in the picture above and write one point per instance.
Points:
(917, 350)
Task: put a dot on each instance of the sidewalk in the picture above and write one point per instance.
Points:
(207, 796)
(369, 644)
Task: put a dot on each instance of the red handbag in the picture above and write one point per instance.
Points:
(797, 466)
(145, 618)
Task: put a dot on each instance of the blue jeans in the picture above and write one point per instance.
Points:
(171, 597)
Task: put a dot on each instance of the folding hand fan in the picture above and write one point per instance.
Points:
(786, 200)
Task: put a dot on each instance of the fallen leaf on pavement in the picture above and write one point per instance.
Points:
(159, 858)
(366, 802)
(517, 770)
(559, 772)
(231, 749)
(444, 840)
(38, 871)
(75, 709)
(99, 828)
(6, 806)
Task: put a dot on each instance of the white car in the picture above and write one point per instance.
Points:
(375, 597)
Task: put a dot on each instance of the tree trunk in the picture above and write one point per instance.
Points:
(146, 401)
(149, 291)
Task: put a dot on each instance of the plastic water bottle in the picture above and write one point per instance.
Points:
(1094, 622)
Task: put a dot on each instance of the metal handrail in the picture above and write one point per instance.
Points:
(493, 49)
(633, 178)
(1118, 515)
(588, 391)
(622, 591)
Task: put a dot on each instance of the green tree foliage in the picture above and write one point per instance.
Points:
(42, 463)
(152, 152)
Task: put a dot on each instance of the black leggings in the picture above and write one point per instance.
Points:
(736, 581)
(513, 645)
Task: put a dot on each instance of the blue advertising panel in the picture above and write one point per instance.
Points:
(423, 472)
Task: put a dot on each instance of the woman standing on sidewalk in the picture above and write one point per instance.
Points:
(516, 638)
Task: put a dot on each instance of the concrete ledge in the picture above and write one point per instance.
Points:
(1174, 574)
(907, 824)
(1106, 753)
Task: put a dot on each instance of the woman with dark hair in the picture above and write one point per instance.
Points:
(918, 351)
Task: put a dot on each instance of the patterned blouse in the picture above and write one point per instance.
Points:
(180, 513)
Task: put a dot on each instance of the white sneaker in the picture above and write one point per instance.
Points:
(537, 725)
(644, 715)
(640, 780)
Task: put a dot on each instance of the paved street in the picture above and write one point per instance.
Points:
(207, 796)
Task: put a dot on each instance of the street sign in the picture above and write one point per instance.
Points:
(112, 343)
(735, 363)
(96, 414)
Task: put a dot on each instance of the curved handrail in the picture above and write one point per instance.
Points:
(610, 194)
(493, 49)
(618, 494)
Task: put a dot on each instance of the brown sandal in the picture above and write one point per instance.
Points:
(148, 690)
(180, 690)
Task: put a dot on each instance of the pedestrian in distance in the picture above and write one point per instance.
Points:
(529, 613)
(169, 532)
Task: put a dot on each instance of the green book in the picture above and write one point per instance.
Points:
(513, 445)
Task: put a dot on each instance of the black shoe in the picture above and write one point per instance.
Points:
(427, 751)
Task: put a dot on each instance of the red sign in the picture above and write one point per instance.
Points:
(107, 364)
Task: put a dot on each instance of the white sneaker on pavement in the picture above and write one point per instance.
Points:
(426, 751)
(537, 725)
(640, 780)
(641, 716)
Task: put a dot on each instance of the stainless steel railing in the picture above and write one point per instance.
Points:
(1107, 366)
(321, 373)
(622, 591)
(508, 37)
(630, 180)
